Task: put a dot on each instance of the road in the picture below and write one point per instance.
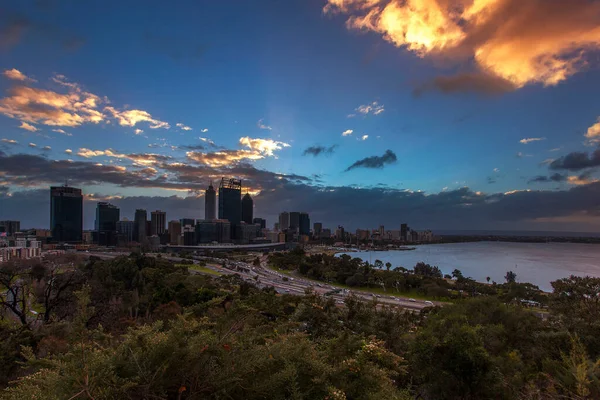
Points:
(263, 276)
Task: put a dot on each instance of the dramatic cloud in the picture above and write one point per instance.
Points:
(17, 75)
(192, 147)
(264, 146)
(183, 127)
(522, 42)
(373, 108)
(529, 140)
(28, 127)
(73, 108)
(347, 132)
(9, 141)
(62, 132)
(556, 177)
(577, 161)
(593, 133)
(318, 150)
(259, 149)
(137, 158)
(389, 157)
(260, 124)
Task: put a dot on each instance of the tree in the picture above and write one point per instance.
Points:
(388, 265)
(510, 277)
(487, 278)
(456, 274)
(378, 264)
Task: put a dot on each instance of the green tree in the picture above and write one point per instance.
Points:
(510, 277)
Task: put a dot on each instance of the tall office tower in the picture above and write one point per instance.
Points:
(158, 222)
(403, 231)
(261, 221)
(125, 230)
(247, 209)
(174, 232)
(317, 229)
(187, 221)
(10, 227)
(294, 220)
(139, 225)
(210, 203)
(381, 231)
(230, 202)
(304, 224)
(66, 214)
(107, 216)
(284, 220)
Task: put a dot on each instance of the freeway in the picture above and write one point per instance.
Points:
(263, 276)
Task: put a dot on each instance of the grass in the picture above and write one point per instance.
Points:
(203, 270)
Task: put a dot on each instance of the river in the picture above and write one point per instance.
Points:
(537, 263)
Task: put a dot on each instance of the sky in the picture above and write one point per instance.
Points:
(444, 114)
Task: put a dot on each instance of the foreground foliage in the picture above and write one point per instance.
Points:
(143, 328)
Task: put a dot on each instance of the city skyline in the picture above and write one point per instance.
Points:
(330, 111)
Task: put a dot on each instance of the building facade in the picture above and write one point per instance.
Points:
(10, 227)
(284, 221)
(247, 209)
(158, 222)
(66, 214)
(260, 221)
(174, 232)
(210, 203)
(304, 224)
(125, 230)
(107, 216)
(294, 221)
(230, 202)
(139, 225)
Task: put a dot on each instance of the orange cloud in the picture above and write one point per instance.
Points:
(259, 149)
(522, 42)
(132, 117)
(593, 133)
(17, 75)
(28, 127)
(263, 146)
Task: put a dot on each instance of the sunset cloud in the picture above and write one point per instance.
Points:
(259, 149)
(260, 124)
(529, 140)
(183, 127)
(138, 131)
(17, 75)
(593, 133)
(28, 127)
(133, 117)
(9, 141)
(522, 42)
(375, 162)
(347, 132)
(62, 132)
(263, 146)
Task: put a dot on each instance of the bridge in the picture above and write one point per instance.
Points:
(234, 247)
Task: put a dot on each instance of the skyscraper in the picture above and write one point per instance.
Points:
(10, 227)
(139, 227)
(261, 221)
(125, 230)
(210, 202)
(294, 220)
(230, 202)
(158, 222)
(174, 231)
(247, 209)
(66, 214)
(284, 220)
(107, 216)
(317, 228)
(403, 231)
(304, 224)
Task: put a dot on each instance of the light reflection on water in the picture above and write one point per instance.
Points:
(537, 263)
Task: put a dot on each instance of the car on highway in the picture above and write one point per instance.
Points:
(429, 303)
(412, 300)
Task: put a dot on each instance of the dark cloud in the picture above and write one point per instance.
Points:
(192, 147)
(318, 150)
(577, 161)
(552, 178)
(467, 82)
(389, 157)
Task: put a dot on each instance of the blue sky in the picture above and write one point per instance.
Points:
(298, 71)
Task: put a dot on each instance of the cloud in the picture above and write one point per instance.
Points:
(347, 132)
(376, 162)
(577, 161)
(259, 149)
(137, 158)
(318, 150)
(192, 147)
(508, 39)
(496, 169)
(263, 146)
(17, 75)
(260, 124)
(28, 127)
(364, 137)
(204, 130)
(68, 151)
(521, 155)
(593, 133)
(138, 131)
(529, 140)
(467, 82)
(373, 108)
(62, 132)
(183, 127)
(32, 145)
(556, 177)
(555, 149)
(9, 141)
(583, 179)
(133, 117)
(46, 148)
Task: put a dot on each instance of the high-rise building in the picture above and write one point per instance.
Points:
(304, 224)
(381, 231)
(107, 216)
(317, 228)
(403, 231)
(247, 209)
(340, 234)
(66, 214)
(187, 221)
(125, 230)
(139, 227)
(284, 221)
(174, 232)
(10, 227)
(158, 222)
(260, 221)
(294, 220)
(230, 202)
(210, 203)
